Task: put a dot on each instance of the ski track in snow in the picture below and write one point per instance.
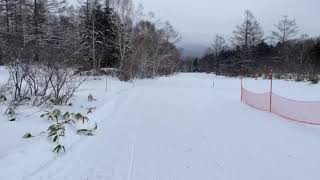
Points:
(181, 128)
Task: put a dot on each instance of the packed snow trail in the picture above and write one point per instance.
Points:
(181, 128)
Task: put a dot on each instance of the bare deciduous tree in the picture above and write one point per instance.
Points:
(218, 45)
(256, 34)
(124, 10)
(285, 29)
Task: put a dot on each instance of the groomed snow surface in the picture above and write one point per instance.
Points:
(174, 128)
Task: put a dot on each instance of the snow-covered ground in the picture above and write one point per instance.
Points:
(174, 128)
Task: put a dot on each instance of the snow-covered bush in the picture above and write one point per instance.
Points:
(53, 115)
(88, 132)
(63, 85)
(314, 79)
(27, 136)
(55, 83)
(90, 110)
(3, 97)
(58, 148)
(64, 118)
(91, 98)
(58, 129)
(3, 92)
(11, 114)
(18, 71)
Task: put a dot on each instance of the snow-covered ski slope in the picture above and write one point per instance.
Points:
(179, 128)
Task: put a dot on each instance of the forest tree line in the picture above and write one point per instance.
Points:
(98, 34)
(253, 53)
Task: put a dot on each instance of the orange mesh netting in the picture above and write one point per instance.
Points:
(259, 101)
(300, 111)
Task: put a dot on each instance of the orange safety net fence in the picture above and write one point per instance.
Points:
(300, 111)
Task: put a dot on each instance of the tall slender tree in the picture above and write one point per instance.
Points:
(285, 29)
(218, 45)
(249, 33)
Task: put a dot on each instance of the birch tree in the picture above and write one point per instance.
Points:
(124, 10)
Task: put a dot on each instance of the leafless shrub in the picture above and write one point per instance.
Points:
(3, 90)
(55, 83)
(18, 71)
(39, 83)
(63, 84)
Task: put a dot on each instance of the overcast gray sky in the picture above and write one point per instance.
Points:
(199, 20)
